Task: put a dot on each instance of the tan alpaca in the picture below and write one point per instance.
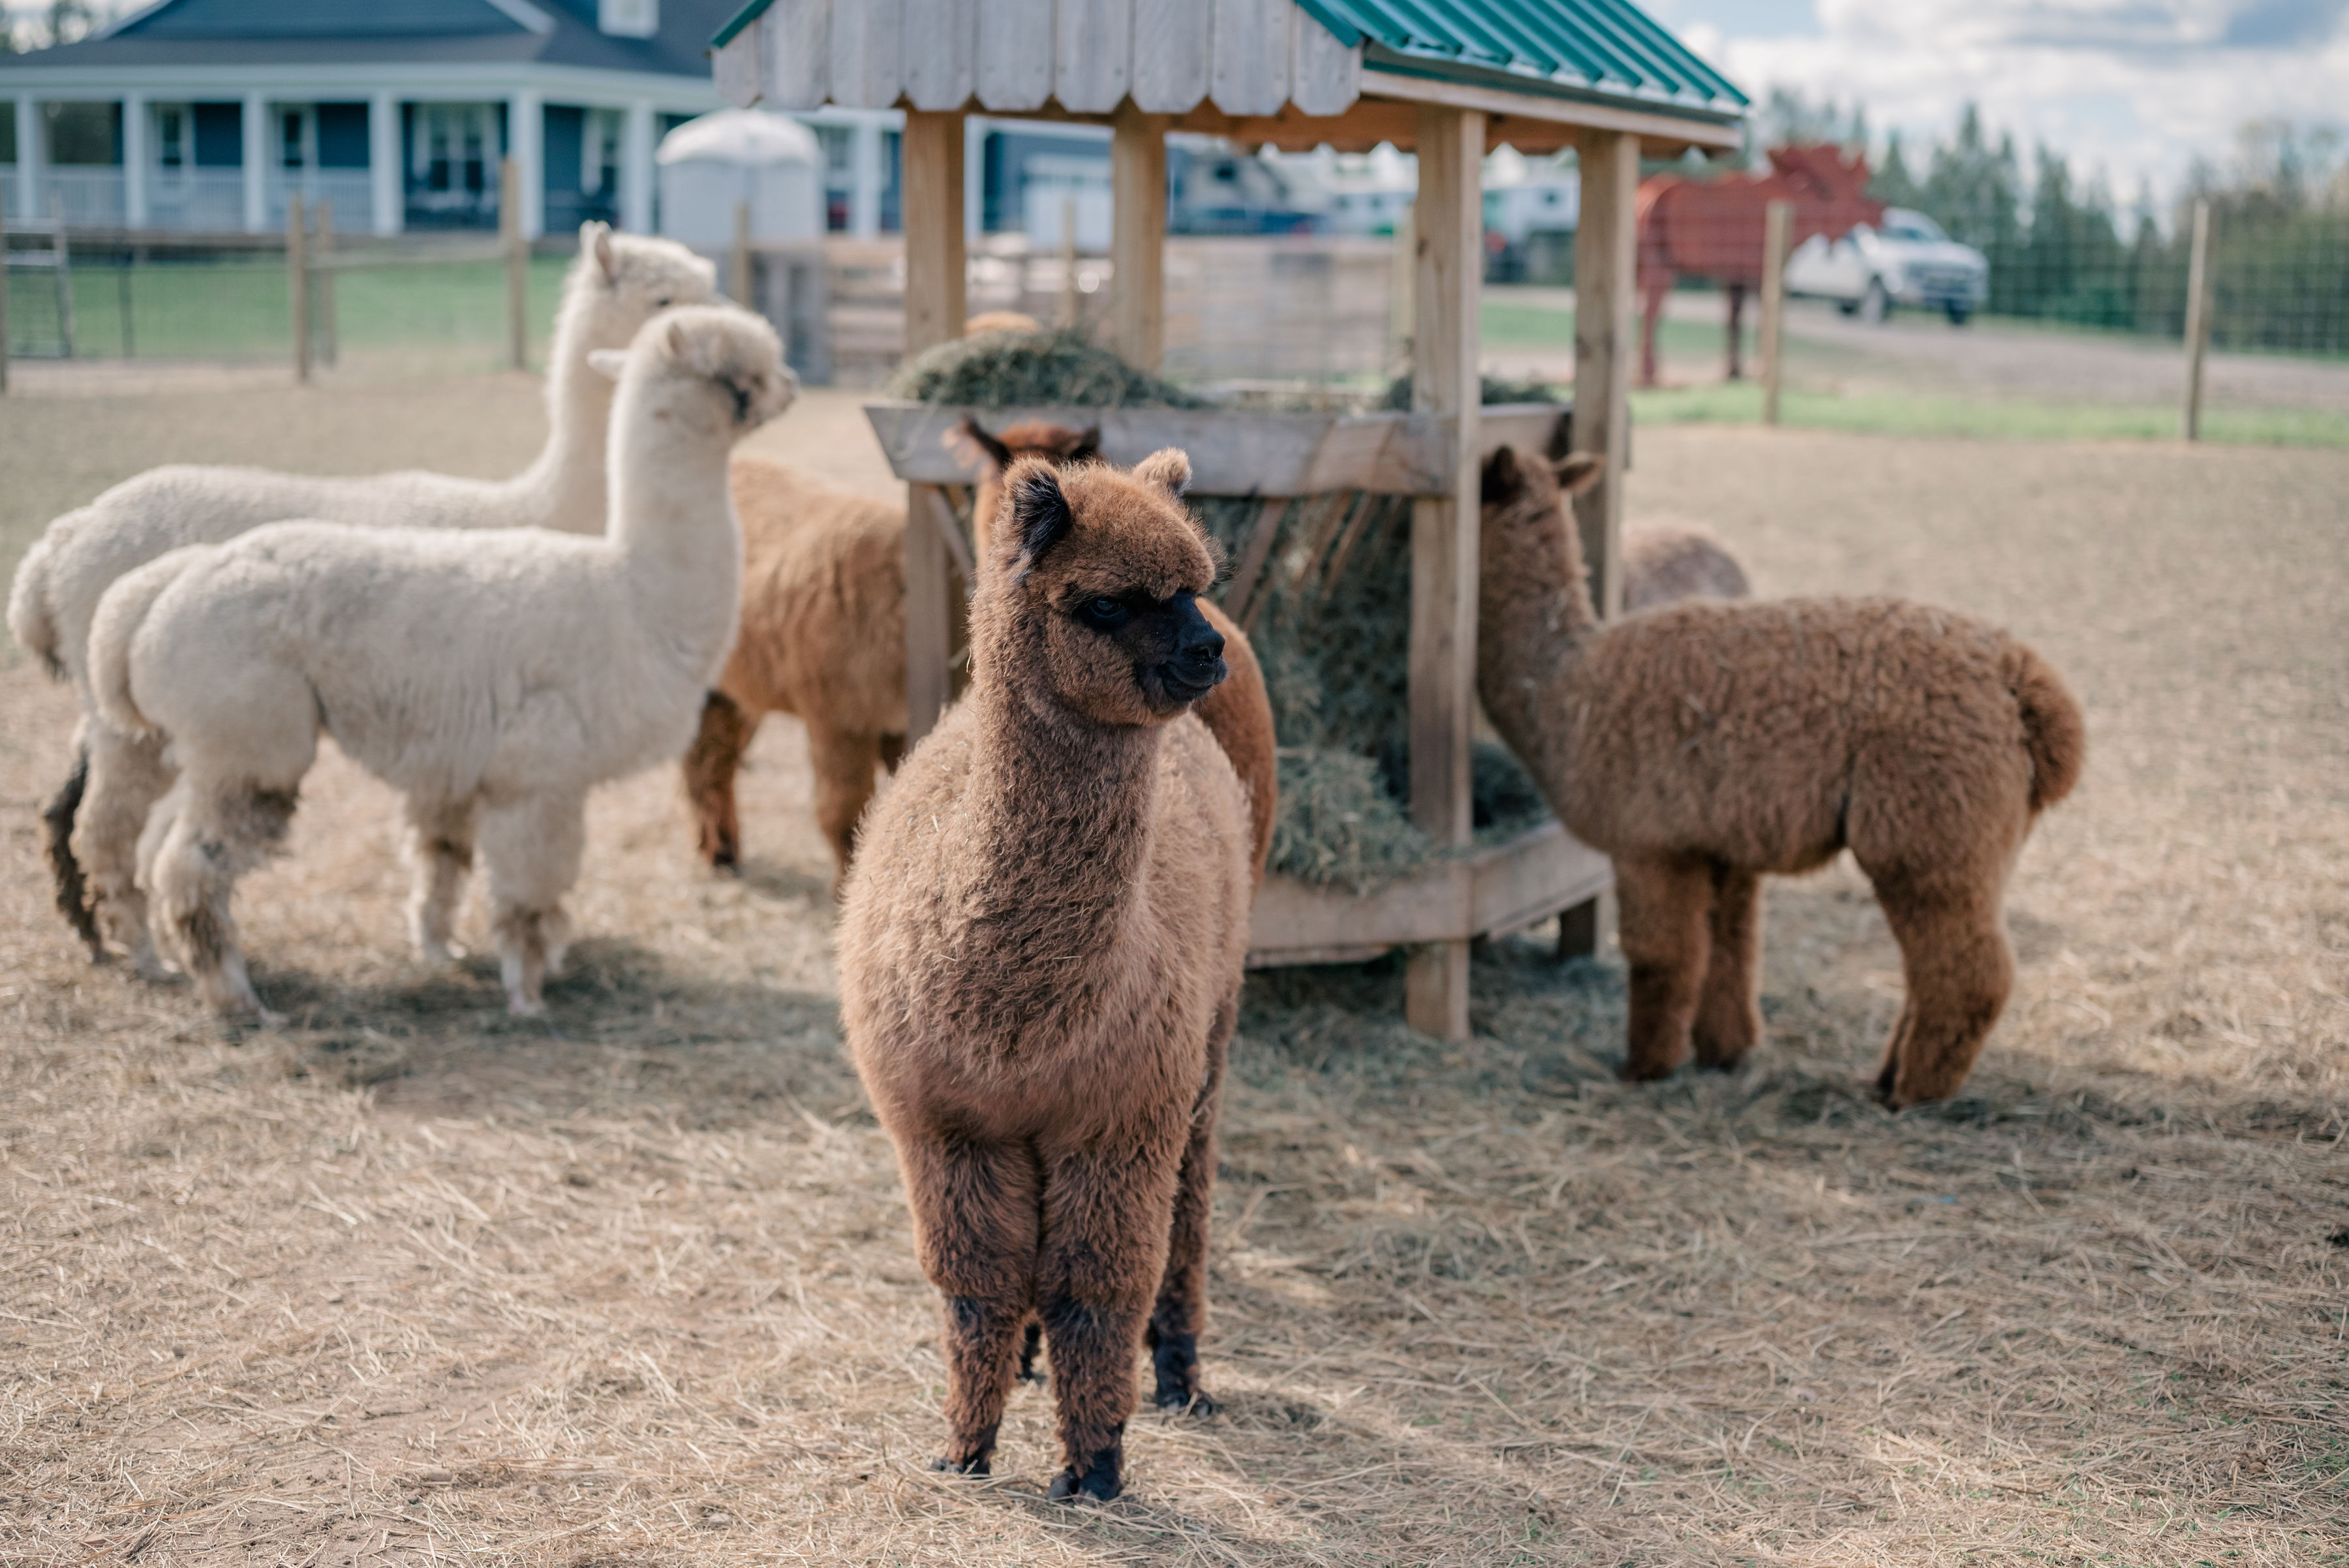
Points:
(1040, 960)
(1704, 744)
(823, 637)
(495, 675)
(617, 283)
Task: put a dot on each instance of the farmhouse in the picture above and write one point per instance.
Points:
(206, 116)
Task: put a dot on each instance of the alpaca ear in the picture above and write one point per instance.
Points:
(608, 362)
(996, 453)
(1088, 447)
(597, 238)
(1168, 468)
(1501, 480)
(1038, 508)
(1579, 471)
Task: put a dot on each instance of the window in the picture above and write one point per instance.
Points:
(171, 136)
(599, 150)
(291, 139)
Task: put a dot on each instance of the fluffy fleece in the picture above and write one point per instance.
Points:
(616, 285)
(1704, 744)
(1041, 959)
(492, 678)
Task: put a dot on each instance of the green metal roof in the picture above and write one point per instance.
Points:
(1600, 48)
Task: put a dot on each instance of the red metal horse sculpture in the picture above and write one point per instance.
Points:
(1713, 229)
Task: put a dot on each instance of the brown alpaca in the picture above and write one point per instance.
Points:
(1040, 959)
(1664, 563)
(1239, 712)
(1706, 743)
(824, 637)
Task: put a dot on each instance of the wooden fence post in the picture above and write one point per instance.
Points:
(61, 249)
(517, 264)
(1777, 219)
(297, 286)
(322, 267)
(1068, 312)
(4, 306)
(2198, 320)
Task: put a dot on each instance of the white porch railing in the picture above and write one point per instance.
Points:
(351, 193)
(201, 199)
(84, 198)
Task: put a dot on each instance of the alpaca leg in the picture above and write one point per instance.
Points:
(710, 764)
(843, 763)
(532, 847)
(1172, 1336)
(58, 821)
(1729, 1011)
(1109, 1210)
(440, 853)
(1031, 1344)
(893, 752)
(213, 831)
(127, 776)
(1959, 968)
(975, 1223)
(1665, 936)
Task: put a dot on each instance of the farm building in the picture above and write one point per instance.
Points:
(209, 115)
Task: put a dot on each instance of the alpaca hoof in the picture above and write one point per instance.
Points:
(1095, 1484)
(980, 1466)
(440, 955)
(525, 1007)
(1175, 1402)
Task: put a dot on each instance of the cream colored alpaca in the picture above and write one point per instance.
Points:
(619, 283)
(498, 674)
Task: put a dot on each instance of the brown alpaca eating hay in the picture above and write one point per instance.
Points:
(1040, 959)
(1706, 743)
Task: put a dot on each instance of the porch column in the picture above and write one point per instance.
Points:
(253, 121)
(134, 159)
(866, 179)
(974, 178)
(636, 169)
(387, 165)
(29, 159)
(1450, 214)
(526, 143)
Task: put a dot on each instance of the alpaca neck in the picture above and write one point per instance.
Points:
(672, 521)
(564, 488)
(1535, 617)
(1052, 789)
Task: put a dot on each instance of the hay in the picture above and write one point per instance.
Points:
(1032, 370)
(633, 1284)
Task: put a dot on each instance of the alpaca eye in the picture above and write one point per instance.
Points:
(1106, 611)
(662, 303)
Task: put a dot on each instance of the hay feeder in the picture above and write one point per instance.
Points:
(1595, 74)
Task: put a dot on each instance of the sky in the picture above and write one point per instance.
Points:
(2134, 90)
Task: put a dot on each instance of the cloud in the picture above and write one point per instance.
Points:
(2134, 88)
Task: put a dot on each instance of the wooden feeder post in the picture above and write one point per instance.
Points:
(1137, 245)
(935, 312)
(1446, 284)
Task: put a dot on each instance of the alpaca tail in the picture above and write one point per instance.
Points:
(2054, 733)
(120, 614)
(31, 616)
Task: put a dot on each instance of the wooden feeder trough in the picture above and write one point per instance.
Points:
(1540, 75)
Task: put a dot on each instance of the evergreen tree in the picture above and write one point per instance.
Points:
(1891, 184)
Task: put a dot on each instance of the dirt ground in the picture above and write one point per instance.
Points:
(409, 1282)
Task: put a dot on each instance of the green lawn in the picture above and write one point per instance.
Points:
(237, 309)
(1890, 413)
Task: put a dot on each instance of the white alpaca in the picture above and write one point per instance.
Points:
(619, 283)
(497, 674)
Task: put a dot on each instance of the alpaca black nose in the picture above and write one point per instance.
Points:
(1201, 646)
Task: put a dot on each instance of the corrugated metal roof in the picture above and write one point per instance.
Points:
(1605, 48)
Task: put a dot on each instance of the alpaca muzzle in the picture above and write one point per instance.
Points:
(1197, 667)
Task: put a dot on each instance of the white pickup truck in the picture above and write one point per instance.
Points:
(1907, 261)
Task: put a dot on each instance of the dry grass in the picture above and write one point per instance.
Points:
(633, 1285)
